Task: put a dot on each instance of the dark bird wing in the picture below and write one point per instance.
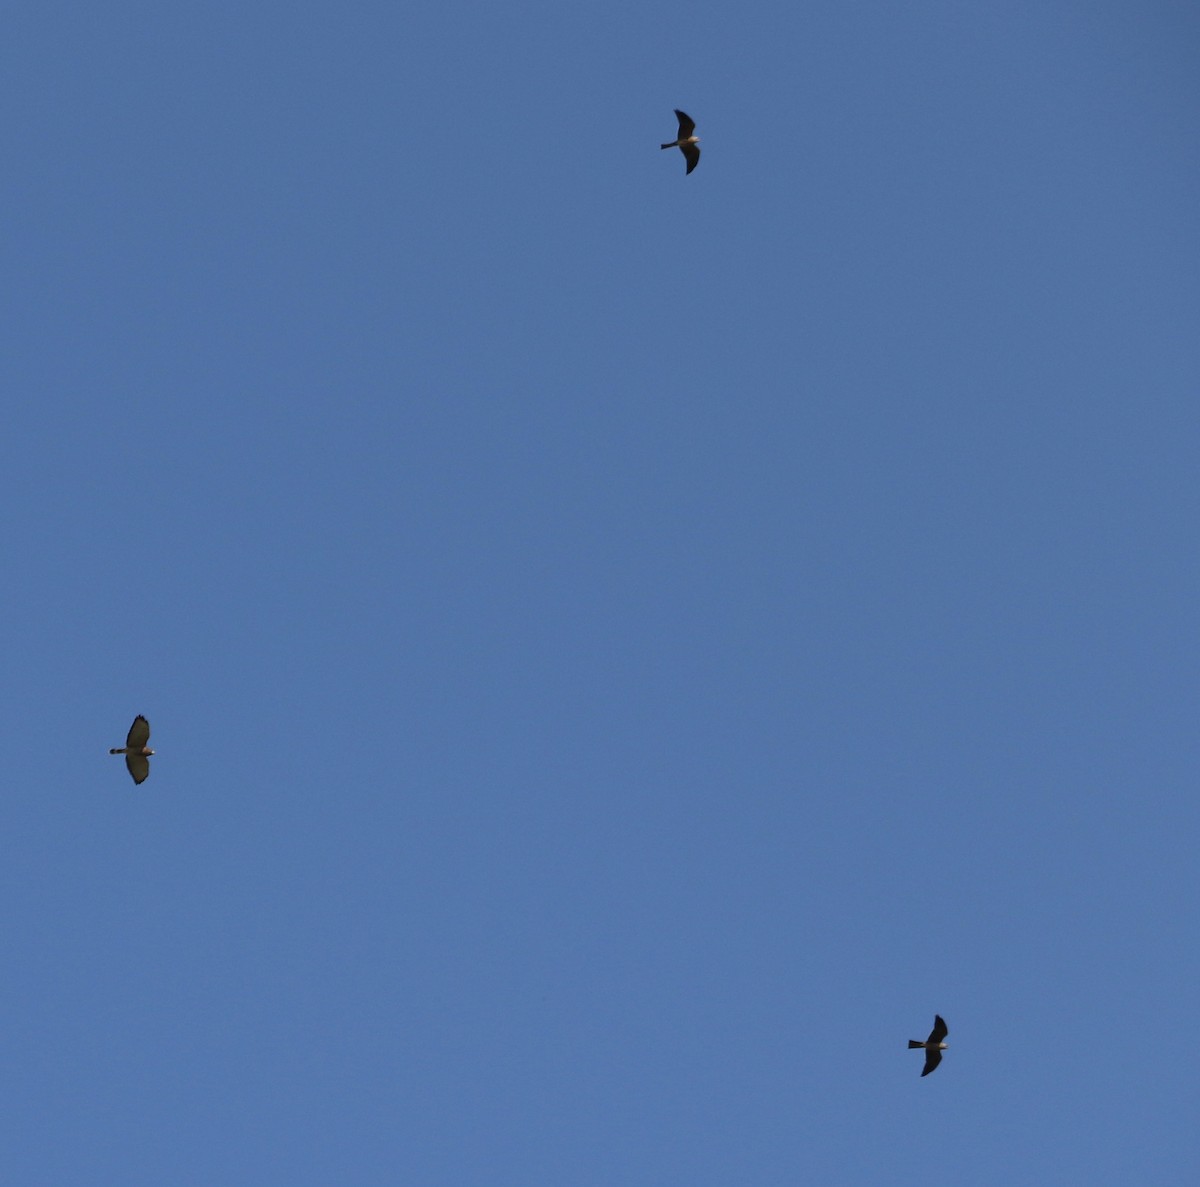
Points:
(940, 1030)
(693, 155)
(932, 1058)
(139, 767)
(139, 734)
(687, 125)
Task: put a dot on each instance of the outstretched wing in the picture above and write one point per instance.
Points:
(139, 734)
(932, 1058)
(139, 767)
(693, 156)
(940, 1030)
(687, 125)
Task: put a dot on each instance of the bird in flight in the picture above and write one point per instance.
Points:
(136, 752)
(687, 142)
(933, 1045)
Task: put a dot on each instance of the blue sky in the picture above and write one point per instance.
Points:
(623, 649)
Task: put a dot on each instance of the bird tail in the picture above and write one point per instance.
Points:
(671, 145)
(116, 752)
(913, 1043)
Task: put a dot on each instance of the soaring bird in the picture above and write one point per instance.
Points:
(933, 1045)
(136, 752)
(686, 142)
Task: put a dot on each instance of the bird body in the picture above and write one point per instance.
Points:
(686, 141)
(934, 1046)
(137, 753)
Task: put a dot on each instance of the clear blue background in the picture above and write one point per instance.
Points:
(623, 649)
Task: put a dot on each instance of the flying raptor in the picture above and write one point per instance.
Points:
(687, 142)
(933, 1045)
(136, 752)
